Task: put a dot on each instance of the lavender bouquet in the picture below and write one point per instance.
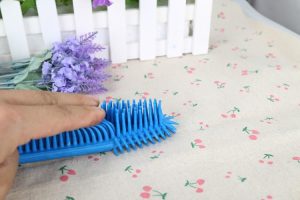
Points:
(70, 67)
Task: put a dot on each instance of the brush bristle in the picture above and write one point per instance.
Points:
(138, 124)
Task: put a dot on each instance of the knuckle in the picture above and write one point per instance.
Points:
(48, 97)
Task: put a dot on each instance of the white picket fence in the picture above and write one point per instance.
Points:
(142, 33)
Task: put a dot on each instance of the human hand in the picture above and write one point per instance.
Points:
(26, 115)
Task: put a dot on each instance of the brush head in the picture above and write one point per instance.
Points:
(126, 126)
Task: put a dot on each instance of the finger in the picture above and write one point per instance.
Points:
(8, 170)
(31, 122)
(29, 97)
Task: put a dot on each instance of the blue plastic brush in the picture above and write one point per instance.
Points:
(125, 127)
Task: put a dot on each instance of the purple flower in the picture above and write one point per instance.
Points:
(73, 68)
(97, 3)
(46, 68)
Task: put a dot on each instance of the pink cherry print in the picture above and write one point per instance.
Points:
(269, 197)
(90, 157)
(192, 68)
(233, 115)
(190, 71)
(269, 122)
(96, 159)
(229, 172)
(200, 122)
(71, 172)
(147, 188)
(64, 178)
(261, 161)
(227, 176)
(276, 99)
(270, 162)
(224, 115)
(216, 82)
(146, 93)
(161, 151)
(201, 146)
(253, 137)
(254, 131)
(199, 190)
(200, 181)
(197, 141)
(296, 158)
(145, 195)
(134, 176)
(138, 171)
(153, 151)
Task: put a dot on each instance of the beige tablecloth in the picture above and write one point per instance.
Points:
(239, 135)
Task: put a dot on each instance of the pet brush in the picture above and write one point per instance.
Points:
(126, 126)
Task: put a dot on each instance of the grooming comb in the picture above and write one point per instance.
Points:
(125, 127)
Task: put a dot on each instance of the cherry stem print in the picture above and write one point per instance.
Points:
(189, 70)
(196, 82)
(284, 86)
(133, 171)
(159, 194)
(267, 120)
(242, 179)
(247, 72)
(272, 98)
(197, 143)
(245, 89)
(65, 171)
(157, 154)
(266, 155)
(146, 194)
(195, 184)
(232, 113)
(203, 126)
(69, 198)
(232, 65)
(251, 132)
(144, 95)
(220, 84)
(267, 159)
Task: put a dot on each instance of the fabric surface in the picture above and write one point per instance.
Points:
(238, 108)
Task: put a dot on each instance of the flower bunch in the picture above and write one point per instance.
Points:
(97, 3)
(73, 67)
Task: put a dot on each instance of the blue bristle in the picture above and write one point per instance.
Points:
(126, 126)
(33, 144)
(41, 144)
(48, 145)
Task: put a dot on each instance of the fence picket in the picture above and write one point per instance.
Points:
(50, 28)
(175, 32)
(117, 31)
(83, 14)
(201, 26)
(147, 29)
(14, 28)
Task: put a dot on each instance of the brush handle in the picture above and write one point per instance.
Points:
(67, 152)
